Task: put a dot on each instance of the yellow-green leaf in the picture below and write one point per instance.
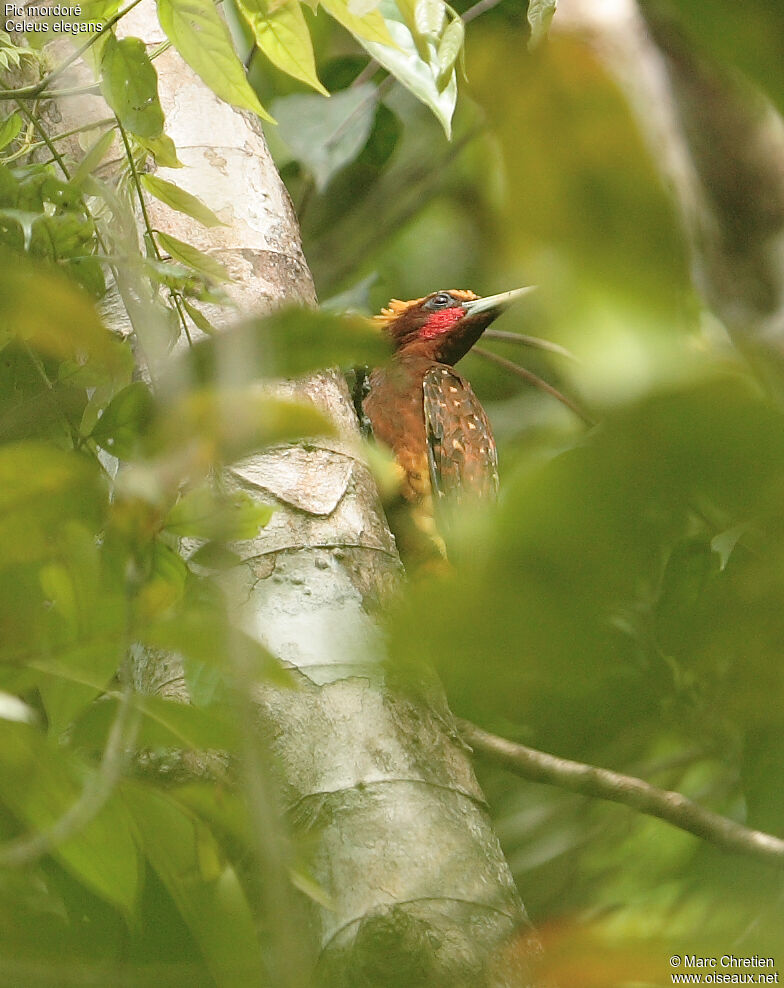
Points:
(283, 35)
(369, 27)
(192, 257)
(196, 30)
(129, 84)
(172, 195)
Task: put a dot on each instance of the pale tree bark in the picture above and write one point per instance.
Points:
(372, 774)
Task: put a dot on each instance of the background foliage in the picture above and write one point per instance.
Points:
(621, 607)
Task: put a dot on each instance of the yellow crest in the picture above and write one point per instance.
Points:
(396, 307)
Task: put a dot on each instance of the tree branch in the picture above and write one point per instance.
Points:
(588, 780)
(534, 379)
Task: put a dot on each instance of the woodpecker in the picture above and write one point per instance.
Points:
(427, 413)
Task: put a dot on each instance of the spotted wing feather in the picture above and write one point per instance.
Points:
(461, 450)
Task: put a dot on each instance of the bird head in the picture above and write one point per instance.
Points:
(444, 325)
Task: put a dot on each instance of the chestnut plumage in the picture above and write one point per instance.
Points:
(425, 411)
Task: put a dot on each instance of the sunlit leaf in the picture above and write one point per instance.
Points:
(419, 75)
(325, 135)
(450, 46)
(540, 14)
(200, 35)
(429, 16)
(369, 27)
(283, 35)
(129, 84)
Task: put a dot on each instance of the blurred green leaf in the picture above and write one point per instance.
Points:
(199, 34)
(44, 310)
(120, 429)
(206, 637)
(206, 514)
(40, 489)
(165, 585)
(227, 424)
(39, 785)
(746, 37)
(129, 84)
(325, 135)
(206, 890)
(290, 342)
(164, 724)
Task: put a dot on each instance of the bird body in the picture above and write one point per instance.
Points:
(427, 413)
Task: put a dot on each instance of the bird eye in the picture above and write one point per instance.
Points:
(441, 301)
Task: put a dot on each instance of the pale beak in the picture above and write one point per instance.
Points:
(496, 302)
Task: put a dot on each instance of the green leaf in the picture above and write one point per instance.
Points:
(540, 14)
(199, 34)
(204, 888)
(326, 135)
(449, 48)
(38, 784)
(368, 27)
(192, 257)
(202, 634)
(232, 423)
(164, 724)
(166, 584)
(201, 321)
(40, 489)
(9, 128)
(94, 157)
(281, 32)
(163, 149)
(121, 427)
(204, 514)
(429, 17)
(290, 342)
(47, 312)
(172, 195)
(129, 84)
(421, 76)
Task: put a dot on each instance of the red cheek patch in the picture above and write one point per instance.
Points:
(440, 322)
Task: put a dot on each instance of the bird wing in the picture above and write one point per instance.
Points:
(461, 450)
